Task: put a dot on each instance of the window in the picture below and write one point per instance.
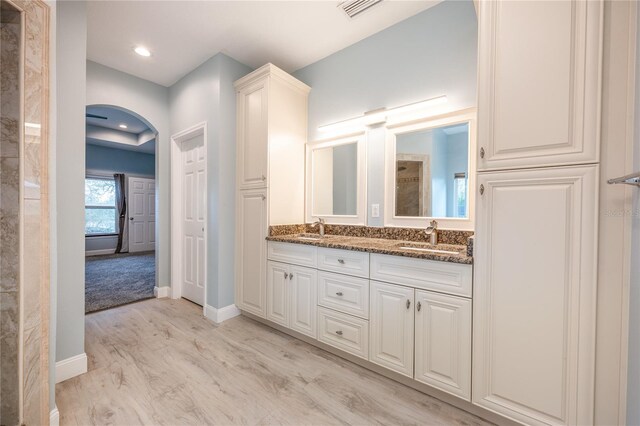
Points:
(100, 213)
(460, 194)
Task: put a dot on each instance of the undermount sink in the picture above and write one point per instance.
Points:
(426, 248)
(311, 237)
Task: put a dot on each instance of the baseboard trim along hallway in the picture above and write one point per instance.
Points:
(160, 292)
(219, 315)
(71, 367)
(54, 417)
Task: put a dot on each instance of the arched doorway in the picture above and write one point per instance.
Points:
(120, 207)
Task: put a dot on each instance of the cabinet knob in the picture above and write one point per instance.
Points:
(408, 303)
(339, 293)
(264, 178)
(481, 152)
(341, 261)
(339, 332)
(286, 275)
(419, 306)
(481, 189)
(263, 197)
(291, 276)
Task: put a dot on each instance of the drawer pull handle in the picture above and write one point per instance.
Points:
(408, 303)
(264, 178)
(481, 152)
(341, 261)
(291, 276)
(286, 275)
(481, 189)
(419, 305)
(339, 332)
(339, 293)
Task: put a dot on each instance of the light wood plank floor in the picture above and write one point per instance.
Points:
(160, 362)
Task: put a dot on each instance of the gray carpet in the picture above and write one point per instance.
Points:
(118, 279)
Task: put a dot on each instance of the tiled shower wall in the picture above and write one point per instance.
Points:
(10, 21)
(24, 217)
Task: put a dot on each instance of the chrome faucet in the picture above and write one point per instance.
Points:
(432, 232)
(320, 224)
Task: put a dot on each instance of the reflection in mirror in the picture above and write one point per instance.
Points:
(431, 172)
(335, 180)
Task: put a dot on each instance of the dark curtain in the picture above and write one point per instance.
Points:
(121, 203)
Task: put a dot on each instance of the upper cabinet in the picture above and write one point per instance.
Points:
(271, 137)
(539, 91)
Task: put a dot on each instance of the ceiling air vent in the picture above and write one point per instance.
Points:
(355, 7)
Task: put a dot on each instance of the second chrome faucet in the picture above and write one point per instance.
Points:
(432, 232)
(320, 224)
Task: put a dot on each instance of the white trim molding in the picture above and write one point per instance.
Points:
(219, 315)
(54, 417)
(71, 367)
(99, 252)
(161, 292)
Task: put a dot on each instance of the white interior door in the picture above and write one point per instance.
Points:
(193, 218)
(142, 214)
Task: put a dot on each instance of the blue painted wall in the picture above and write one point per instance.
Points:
(430, 54)
(101, 158)
(207, 94)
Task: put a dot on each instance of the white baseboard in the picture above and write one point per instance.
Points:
(71, 367)
(222, 314)
(99, 252)
(161, 292)
(54, 417)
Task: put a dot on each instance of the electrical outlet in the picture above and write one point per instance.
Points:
(375, 210)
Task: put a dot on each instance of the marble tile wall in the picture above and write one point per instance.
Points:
(24, 206)
(10, 30)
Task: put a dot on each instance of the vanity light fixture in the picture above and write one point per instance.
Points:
(122, 126)
(142, 51)
(418, 106)
(379, 116)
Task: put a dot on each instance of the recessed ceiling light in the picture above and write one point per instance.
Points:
(142, 51)
(123, 126)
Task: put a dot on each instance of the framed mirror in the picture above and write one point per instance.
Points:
(429, 171)
(335, 181)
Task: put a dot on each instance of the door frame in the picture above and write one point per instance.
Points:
(129, 199)
(176, 210)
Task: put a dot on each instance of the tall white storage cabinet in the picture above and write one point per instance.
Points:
(535, 247)
(271, 136)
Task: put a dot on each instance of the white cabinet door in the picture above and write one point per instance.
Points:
(443, 342)
(251, 251)
(303, 300)
(252, 135)
(539, 68)
(278, 293)
(534, 294)
(391, 327)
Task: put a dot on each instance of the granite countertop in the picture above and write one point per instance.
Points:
(382, 246)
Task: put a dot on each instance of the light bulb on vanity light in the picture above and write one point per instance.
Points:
(418, 106)
(142, 51)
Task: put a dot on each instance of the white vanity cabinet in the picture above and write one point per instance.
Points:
(539, 83)
(534, 300)
(410, 319)
(443, 342)
(251, 251)
(391, 335)
(291, 297)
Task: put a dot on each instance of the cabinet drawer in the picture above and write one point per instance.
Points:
(345, 332)
(344, 293)
(344, 261)
(451, 278)
(296, 254)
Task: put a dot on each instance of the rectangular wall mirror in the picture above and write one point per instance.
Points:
(335, 181)
(429, 171)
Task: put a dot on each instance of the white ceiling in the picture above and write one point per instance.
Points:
(183, 34)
